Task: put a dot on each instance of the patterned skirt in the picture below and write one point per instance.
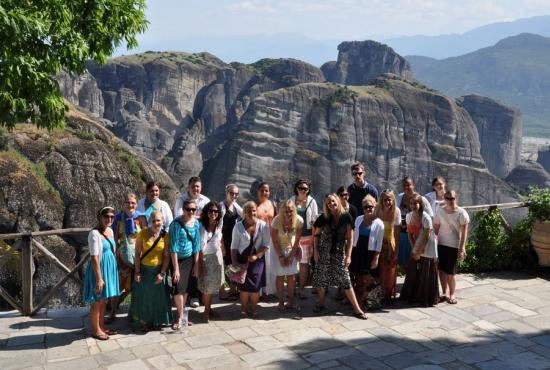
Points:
(214, 278)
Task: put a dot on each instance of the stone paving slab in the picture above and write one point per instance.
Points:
(502, 321)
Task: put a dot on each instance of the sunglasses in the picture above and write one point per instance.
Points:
(359, 173)
(190, 209)
(213, 211)
(235, 194)
(368, 207)
(303, 188)
(109, 216)
(344, 195)
(450, 198)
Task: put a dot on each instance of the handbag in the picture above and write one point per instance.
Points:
(237, 273)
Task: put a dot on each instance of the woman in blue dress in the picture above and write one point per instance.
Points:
(101, 277)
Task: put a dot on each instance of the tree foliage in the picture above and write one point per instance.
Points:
(39, 37)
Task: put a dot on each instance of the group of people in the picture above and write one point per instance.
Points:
(355, 241)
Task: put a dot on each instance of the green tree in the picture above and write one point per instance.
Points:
(39, 37)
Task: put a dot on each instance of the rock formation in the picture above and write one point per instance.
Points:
(316, 130)
(59, 179)
(500, 131)
(360, 62)
(529, 173)
(544, 159)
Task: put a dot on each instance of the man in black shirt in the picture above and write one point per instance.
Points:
(360, 187)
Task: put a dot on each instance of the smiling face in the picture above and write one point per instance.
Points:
(153, 193)
(156, 221)
(332, 203)
(250, 213)
(195, 189)
(232, 194)
(415, 205)
(107, 219)
(264, 192)
(213, 213)
(129, 206)
(408, 186)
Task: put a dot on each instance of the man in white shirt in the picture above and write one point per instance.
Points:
(194, 188)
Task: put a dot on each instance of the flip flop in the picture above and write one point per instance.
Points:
(361, 315)
(100, 336)
(443, 298)
(452, 301)
(111, 332)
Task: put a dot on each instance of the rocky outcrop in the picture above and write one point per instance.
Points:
(500, 131)
(59, 179)
(317, 130)
(82, 90)
(544, 159)
(528, 173)
(360, 62)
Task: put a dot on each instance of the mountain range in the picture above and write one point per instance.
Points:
(515, 70)
(250, 48)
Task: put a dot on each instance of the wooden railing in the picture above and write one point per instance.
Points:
(28, 242)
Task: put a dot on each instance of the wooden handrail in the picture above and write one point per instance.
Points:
(497, 205)
(72, 231)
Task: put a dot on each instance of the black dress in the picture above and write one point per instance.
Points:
(229, 220)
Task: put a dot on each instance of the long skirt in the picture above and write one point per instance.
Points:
(150, 302)
(213, 279)
(255, 273)
(421, 282)
(388, 272)
(404, 249)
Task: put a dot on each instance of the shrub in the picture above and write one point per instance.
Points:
(3, 140)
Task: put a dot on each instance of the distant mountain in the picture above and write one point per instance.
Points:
(515, 70)
(250, 48)
(445, 46)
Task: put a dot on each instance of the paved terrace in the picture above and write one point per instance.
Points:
(502, 321)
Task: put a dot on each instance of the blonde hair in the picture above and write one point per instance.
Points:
(326, 211)
(282, 214)
(154, 213)
(248, 205)
(381, 205)
(369, 199)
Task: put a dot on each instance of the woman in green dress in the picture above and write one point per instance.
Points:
(150, 305)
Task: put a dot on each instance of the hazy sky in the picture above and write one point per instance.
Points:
(329, 19)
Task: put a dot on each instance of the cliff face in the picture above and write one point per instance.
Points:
(544, 159)
(59, 179)
(500, 131)
(278, 119)
(360, 62)
(529, 173)
(317, 130)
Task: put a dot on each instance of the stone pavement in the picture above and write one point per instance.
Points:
(502, 321)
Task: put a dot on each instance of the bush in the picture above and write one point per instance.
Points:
(491, 247)
(3, 140)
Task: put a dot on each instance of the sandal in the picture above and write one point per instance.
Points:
(318, 308)
(443, 298)
(244, 314)
(254, 315)
(100, 336)
(110, 332)
(361, 315)
(176, 325)
(452, 301)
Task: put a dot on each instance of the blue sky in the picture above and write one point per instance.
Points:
(329, 19)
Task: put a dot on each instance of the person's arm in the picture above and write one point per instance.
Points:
(316, 234)
(277, 246)
(196, 249)
(358, 222)
(137, 258)
(349, 238)
(174, 240)
(94, 244)
(168, 216)
(235, 241)
(264, 243)
(396, 231)
(165, 260)
(462, 242)
(378, 240)
(296, 247)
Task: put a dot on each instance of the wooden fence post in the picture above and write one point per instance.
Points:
(26, 274)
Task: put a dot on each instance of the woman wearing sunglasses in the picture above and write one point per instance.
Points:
(306, 208)
(101, 277)
(211, 274)
(231, 213)
(185, 244)
(451, 226)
